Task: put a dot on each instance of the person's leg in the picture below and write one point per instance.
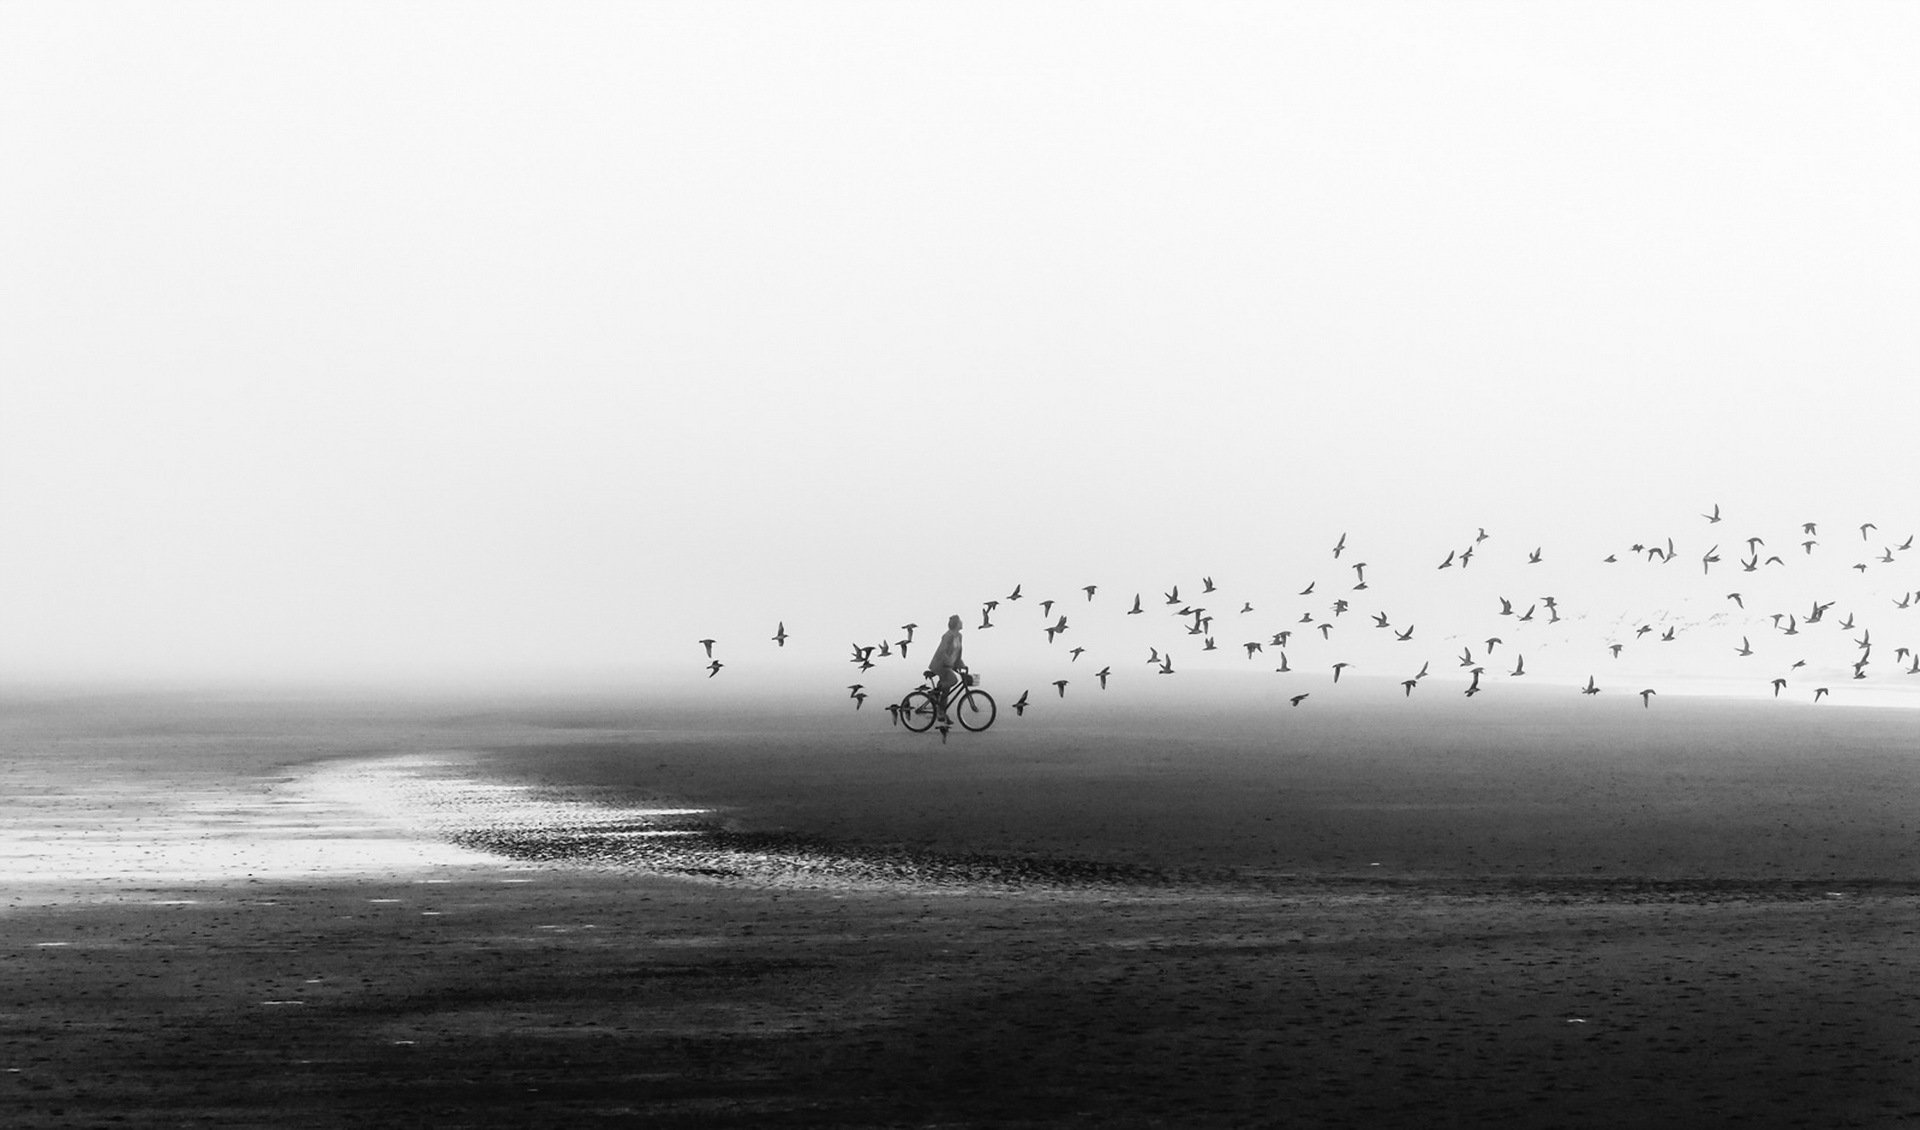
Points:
(947, 680)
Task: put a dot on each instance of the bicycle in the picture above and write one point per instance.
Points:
(973, 707)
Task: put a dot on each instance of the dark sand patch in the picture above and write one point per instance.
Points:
(1743, 983)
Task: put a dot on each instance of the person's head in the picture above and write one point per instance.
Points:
(953, 623)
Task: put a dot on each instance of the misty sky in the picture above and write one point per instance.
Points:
(366, 339)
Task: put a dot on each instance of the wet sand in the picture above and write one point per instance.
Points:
(466, 914)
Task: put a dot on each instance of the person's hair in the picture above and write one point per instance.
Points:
(954, 621)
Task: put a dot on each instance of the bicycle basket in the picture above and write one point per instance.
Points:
(973, 680)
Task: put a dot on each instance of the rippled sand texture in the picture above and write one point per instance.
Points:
(1242, 919)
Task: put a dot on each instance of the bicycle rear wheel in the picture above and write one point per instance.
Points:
(975, 710)
(916, 711)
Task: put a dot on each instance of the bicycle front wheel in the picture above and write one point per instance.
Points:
(976, 710)
(916, 711)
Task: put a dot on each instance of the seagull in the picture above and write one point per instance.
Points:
(985, 620)
(1534, 557)
(1642, 630)
(1076, 653)
(1864, 527)
(708, 644)
(1135, 610)
(1591, 687)
(1667, 636)
(1735, 597)
(1061, 686)
(859, 701)
(1284, 665)
(1808, 546)
(1326, 630)
(893, 713)
(1527, 616)
(1820, 691)
(885, 649)
(780, 634)
(1296, 700)
(1208, 645)
(1778, 684)
(1253, 646)
(1506, 607)
(1206, 585)
(1280, 639)
(1360, 571)
(1713, 517)
(1379, 619)
(1336, 670)
(1404, 636)
(1448, 563)
(901, 646)
(1615, 648)
(855, 688)
(1046, 608)
(1166, 664)
(1422, 673)
(991, 605)
(1408, 683)
(1481, 536)
(1174, 596)
(1709, 559)
(1491, 641)
(1057, 629)
(1246, 608)
(1308, 591)
(1153, 656)
(908, 628)
(1089, 590)
(1020, 705)
(1519, 667)
(1745, 648)
(1466, 657)
(1646, 697)
(714, 668)
(1101, 675)
(1807, 528)
(1338, 546)
(1014, 595)
(1466, 557)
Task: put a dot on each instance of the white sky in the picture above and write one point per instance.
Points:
(373, 338)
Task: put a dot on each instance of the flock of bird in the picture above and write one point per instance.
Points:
(1319, 623)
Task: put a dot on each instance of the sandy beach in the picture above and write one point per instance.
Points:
(589, 910)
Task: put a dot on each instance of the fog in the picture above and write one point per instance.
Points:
(470, 341)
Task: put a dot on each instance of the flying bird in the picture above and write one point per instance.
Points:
(1735, 597)
(1715, 516)
(1519, 666)
(859, 701)
(1061, 686)
(1076, 653)
(714, 668)
(1014, 595)
(1253, 646)
(1046, 608)
(1020, 705)
(1339, 545)
(1090, 590)
(708, 644)
(1101, 675)
(1591, 687)
(1408, 683)
(1404, 636)
(1296, 700)
(780, 634)
(1778, 685)
(1337, 668)
(1135, 610)
(1745, 648)
(1206, 585)
(1534, 557)
(1646, 696)
(1820, 692)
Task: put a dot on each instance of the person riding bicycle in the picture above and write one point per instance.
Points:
(946, 665)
